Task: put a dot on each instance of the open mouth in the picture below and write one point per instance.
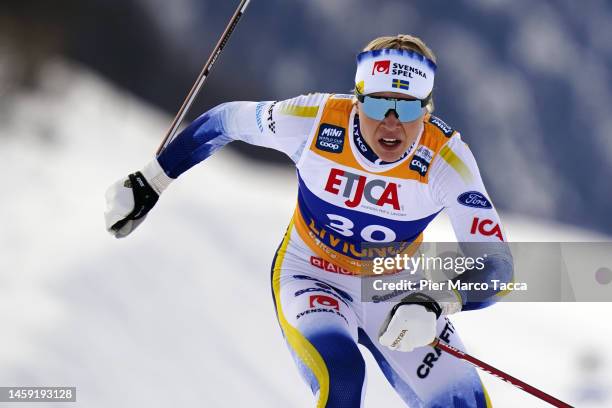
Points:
(389, 142)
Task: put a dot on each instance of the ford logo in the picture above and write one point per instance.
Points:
(474, 199)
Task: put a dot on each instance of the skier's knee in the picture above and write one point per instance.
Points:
(345, 368)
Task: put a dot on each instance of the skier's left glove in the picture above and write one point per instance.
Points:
(411, 323)
(130, 199)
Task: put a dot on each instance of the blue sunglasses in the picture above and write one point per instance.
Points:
(377, 107)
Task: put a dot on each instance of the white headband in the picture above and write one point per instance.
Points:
(391, 70)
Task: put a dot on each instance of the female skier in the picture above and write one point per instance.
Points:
(373, 168)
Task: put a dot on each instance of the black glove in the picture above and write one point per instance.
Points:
(420, 299)
(128, 202)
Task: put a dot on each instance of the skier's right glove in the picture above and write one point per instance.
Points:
(130, 199)
(411, 323)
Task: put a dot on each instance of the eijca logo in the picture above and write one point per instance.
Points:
(375, 191)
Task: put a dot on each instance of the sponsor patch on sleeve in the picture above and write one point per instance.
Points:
(258, 113)
(474, 199)
(330, 138)
(421, 160)
(440, 124)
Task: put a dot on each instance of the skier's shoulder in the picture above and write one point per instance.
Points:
(304, 106)
(311, 104)
(452, 152)
(436, 126)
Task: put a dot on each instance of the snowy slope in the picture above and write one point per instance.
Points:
(179, 314)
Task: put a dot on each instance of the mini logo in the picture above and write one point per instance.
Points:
(474, 199)
(330, 138)
(381, 67)
(439, 123)
(400, 83)
(324, 301)
(486, 227)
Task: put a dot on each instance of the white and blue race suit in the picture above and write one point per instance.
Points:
(347, 196)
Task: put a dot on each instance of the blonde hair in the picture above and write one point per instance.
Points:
(404, 42)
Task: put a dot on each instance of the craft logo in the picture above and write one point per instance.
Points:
(330, 138)
(474, 199)
(439, 123)
(323, 301)
(486, 227)
(430, 358)
(381, 67)
(366, 188)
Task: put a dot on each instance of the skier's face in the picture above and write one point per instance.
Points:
(389, 138)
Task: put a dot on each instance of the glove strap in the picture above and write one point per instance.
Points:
(420, 299)
(144, 195)
(144, 198)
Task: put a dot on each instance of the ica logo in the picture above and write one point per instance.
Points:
(486, 227)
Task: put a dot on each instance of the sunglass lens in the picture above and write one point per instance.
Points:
(377, 108)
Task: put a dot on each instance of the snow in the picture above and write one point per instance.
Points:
(180, 312)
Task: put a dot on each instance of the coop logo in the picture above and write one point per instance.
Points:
(486, 227)
(375, 191)
(330, 138)
(420, 161)
(474, 199)
(381, 67)
(419, 165)
(323, 301)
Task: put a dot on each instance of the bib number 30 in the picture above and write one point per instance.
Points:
(370, 233)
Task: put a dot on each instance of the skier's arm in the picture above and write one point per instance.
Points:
(283, 126)
(456, 184)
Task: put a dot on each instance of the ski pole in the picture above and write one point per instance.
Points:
(195, 89)
(499, 374)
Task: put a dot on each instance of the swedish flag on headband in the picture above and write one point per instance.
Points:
(400, 83)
